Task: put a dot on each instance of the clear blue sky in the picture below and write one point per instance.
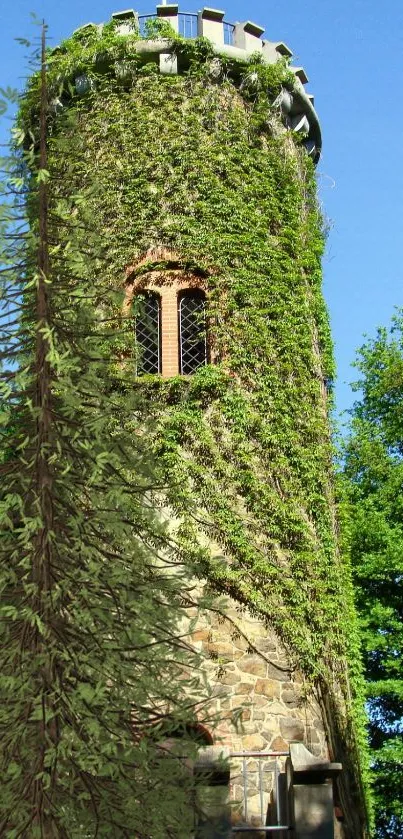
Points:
(352, 51)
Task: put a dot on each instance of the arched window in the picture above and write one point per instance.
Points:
(147, 306)
(192, 331)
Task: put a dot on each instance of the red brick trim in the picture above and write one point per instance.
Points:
(167, 283)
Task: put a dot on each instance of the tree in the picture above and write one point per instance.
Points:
(374, 469)
(92, 665)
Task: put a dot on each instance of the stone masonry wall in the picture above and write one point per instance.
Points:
(253, 673)
(250, 673)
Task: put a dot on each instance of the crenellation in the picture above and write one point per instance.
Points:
(211, 25)
(247, 36)
(239, 42)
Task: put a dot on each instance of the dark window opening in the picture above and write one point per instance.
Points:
(192, 332)
(148, 333)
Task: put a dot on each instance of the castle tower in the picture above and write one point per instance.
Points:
(204, 143)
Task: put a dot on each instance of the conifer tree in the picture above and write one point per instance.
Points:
(92, 662)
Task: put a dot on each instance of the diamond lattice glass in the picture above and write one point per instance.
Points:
(192, 332)
(147, 326)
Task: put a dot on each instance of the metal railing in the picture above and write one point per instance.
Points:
(188, 26)
(273, 766)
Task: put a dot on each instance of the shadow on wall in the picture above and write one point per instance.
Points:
(213, 809)
(313, 807)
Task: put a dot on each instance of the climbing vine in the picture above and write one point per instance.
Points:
(199, 163)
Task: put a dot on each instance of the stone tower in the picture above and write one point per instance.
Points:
(205, 141)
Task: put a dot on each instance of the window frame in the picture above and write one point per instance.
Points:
(183, 293)
(150, 293)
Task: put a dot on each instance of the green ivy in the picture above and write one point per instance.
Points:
(206, 169)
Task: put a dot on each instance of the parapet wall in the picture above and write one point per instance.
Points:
(238, 42)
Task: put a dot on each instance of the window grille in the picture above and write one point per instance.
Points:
(188, 25)
(148, 333)
(229, 29)
(192, 332)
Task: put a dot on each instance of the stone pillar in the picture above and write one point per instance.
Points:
(274, 50)
(128, 21)
(311, 793)
(170, 14)
(212, 794)
(168, 64)
(211, 25)
(247, 36)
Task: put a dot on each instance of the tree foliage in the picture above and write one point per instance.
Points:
(374, 468)
(94, 673)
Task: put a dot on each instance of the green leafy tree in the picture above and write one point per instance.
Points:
(374, 468)
(94, 673)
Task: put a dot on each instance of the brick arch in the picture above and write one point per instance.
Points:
(196, 731)
(201, 733)
(166, 280)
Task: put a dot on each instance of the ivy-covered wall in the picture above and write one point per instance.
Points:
(199, 163)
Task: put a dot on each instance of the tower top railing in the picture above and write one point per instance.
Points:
(240, 42)
(208, 23)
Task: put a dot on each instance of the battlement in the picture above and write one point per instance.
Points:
(237, 41)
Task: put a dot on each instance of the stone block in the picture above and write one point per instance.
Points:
(221, 690)
(253, 742)
(253, 664)
(260, 701)
(313, 736)
(266, 645)
(201, 635)
(275, 708)
(269, 731)
(237, 792)
(250, 728)
(168, 64)
(274, 672)
(267, 687)
(252, 766)
(279, 745)
(229, 678)
(221, 650)
(313, 808)
(291, 729)
(218, 635)
(240, 643)
(239, 701)
(244, 688)
(228, 714)
(290, 698)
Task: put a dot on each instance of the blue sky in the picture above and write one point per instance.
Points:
(352, 52)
